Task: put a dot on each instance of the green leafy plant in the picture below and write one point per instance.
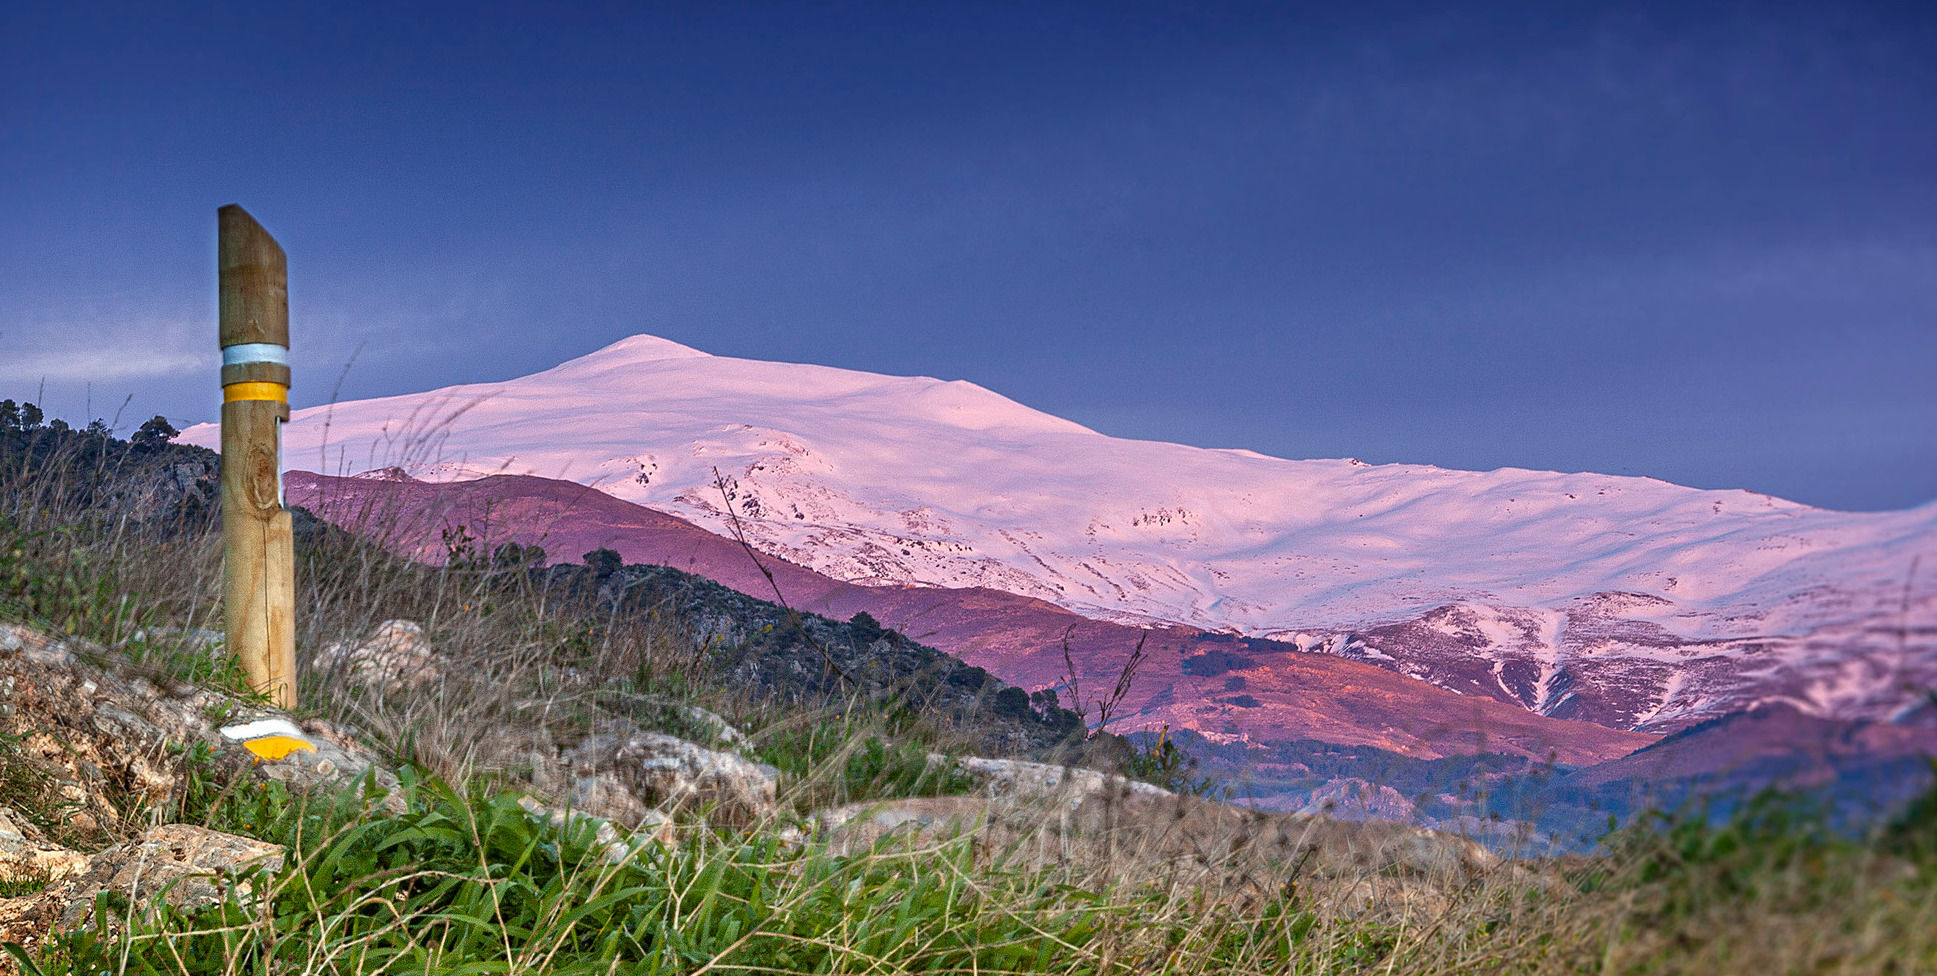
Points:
(1157, 760)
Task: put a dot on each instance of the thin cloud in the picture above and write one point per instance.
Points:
(103, 353)
(98, 364)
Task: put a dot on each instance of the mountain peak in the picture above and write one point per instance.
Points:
(643, 348)
(874, 478)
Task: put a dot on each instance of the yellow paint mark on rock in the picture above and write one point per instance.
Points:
(274, 747)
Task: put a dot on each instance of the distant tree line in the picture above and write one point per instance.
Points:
(27, 418)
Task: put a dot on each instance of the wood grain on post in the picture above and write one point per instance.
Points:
(259, 566)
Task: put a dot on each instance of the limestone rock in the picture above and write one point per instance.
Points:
(36, 647)
(623, 772)
(394, 658)
(27, 855)
(183, 866)
(103, 735)
(1070, 785)
(673, 716)
(722, 731)
(858, 826)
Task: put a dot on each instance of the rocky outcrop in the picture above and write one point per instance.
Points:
(148, 487)
(714, 727)
(103, 736)
(97, 730)
(626, 774)
(394, 658)
(1070, 786)
(27, 855)
(182, 866)
(622, 772)
(92, 736)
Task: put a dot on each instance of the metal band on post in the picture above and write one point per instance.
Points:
(259, 579)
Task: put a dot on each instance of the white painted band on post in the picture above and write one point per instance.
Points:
(255, 352)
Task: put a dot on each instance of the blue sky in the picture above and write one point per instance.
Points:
(1692, 242)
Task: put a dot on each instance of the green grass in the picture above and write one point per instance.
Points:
(52, 577)
(849, 754)
(469, 882)
(464, 880)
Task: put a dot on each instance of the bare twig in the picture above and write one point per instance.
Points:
(1106, 709)
(1107, 706)
(1071, 679)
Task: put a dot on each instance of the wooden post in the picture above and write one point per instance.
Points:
(259, 565)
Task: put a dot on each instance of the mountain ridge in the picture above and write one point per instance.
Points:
(1594, 596)
(1019, 639)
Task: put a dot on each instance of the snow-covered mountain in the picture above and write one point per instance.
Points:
(1626, 601)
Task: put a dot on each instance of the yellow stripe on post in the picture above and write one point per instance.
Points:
(276, 392)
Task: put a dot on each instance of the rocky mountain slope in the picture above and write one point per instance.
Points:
(1230, 689)
(1624, 601)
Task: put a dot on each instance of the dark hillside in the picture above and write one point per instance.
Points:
(145, 479)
